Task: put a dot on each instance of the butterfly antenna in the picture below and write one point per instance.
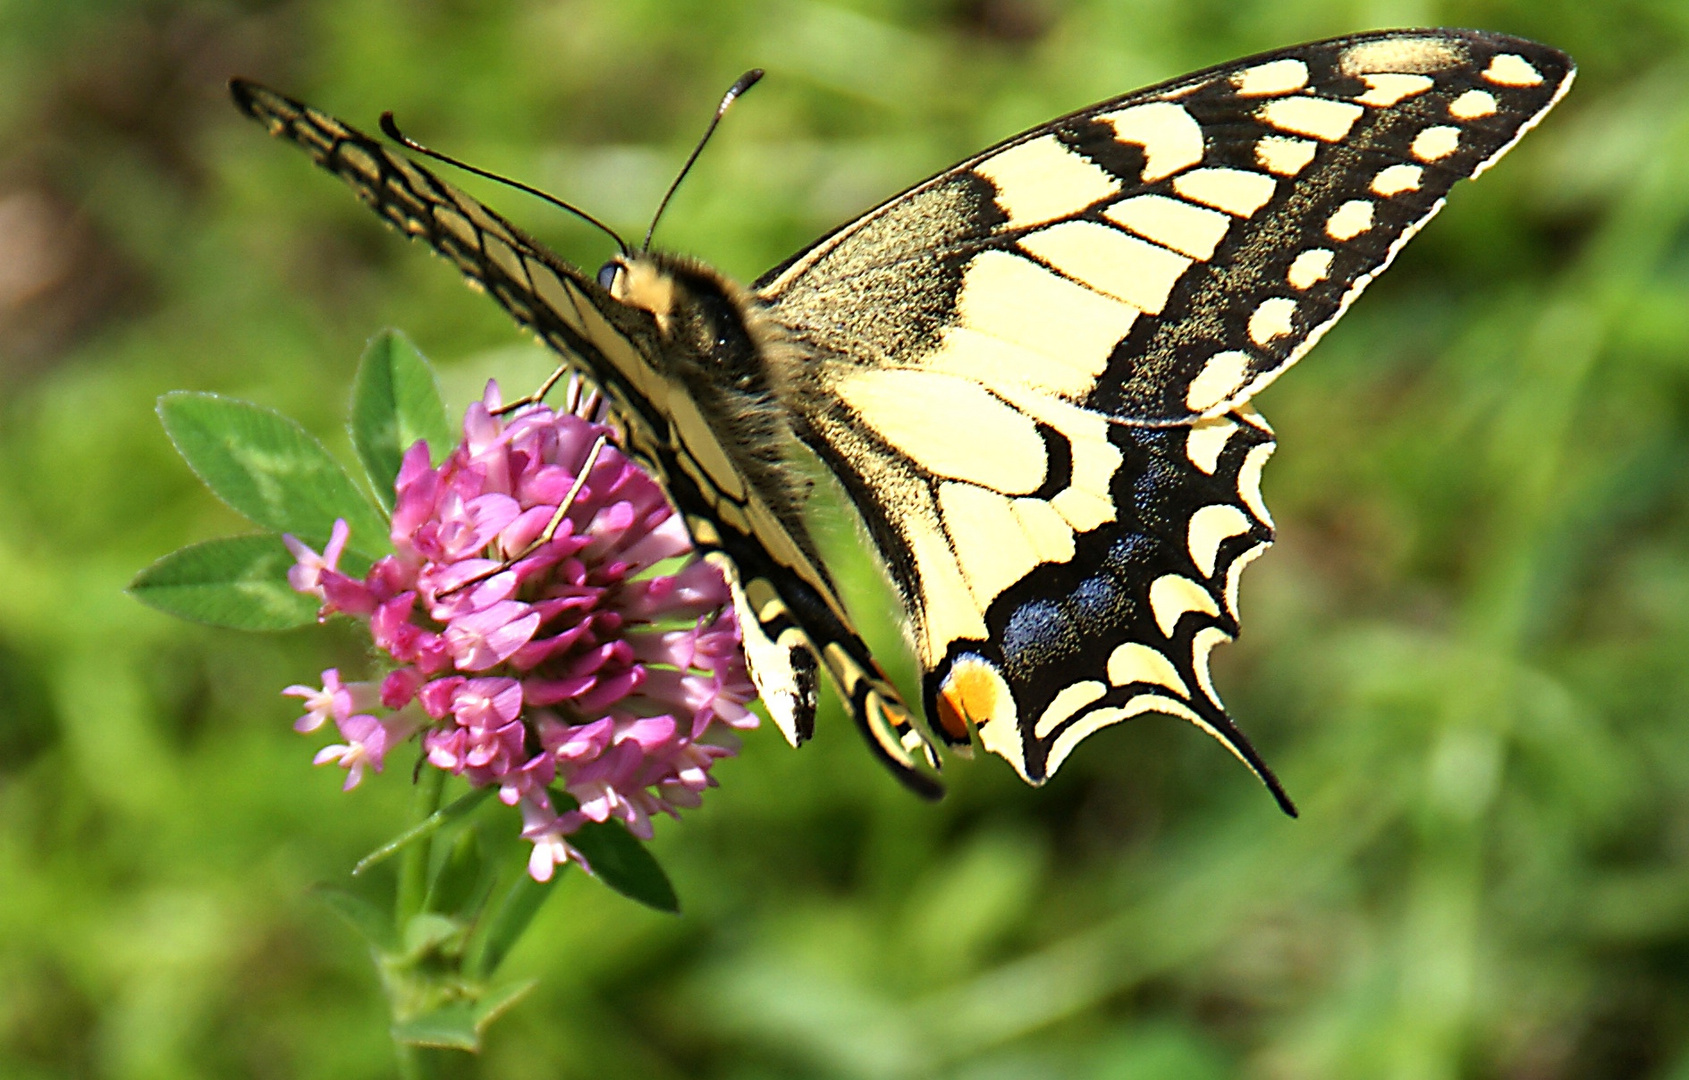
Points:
(740, 85)
(391, 128)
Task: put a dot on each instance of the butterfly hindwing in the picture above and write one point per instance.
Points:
(1126, 625)
(1062, 571)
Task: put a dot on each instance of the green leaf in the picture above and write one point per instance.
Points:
(461, 877)
(460, 1025)
(521, 902)
(395, 402)
(370, 922)
(495, 1001)
(238, 581)
(620, 861)
(424, 828)
(270, 469)
(428, 931)
(451, 1027)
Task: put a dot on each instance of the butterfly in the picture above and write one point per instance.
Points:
(1031, 375)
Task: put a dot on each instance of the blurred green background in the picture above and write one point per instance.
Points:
(1468, 657)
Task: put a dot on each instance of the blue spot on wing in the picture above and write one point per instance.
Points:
(1037, 634)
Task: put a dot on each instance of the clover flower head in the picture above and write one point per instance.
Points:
(525, 636)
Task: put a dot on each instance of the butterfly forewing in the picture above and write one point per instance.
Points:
(1162, 256)
(566, 308)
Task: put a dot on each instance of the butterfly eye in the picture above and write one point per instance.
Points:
(607, 274)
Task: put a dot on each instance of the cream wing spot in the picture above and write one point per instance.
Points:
(949, 612)
(1309, 268)
(1172, 597)
(948, 425)
(458, 225)
(1238, 192)
(1418, 55)
(1436, 143)
(1021, 324)
(556, 296)
(1349, 220)
(1219, 378)
(1319, 118)
(506, 259)
(1472, 105)
(1172, 223)
(1234, 575)
(732, 516)
(1274, 77)
(1133, 662)
(703, 448)
(993, 550)
(1396, 179)
(1386, 88)
(1083, 508)
(1271, 319)
(1206, 440)
(1202, 645)
(703, 530)
(1068, 701)
(1510, 69)
(1041, 180)
(1083, 728)
(763, 599)
(1171, 138)
(1248, 415)
(1283, 155)
(1086, 503)
(1049, 533)
(1210, 527)
(1249, 482)
(360, 162)
(1097, 719)
(1111, 262)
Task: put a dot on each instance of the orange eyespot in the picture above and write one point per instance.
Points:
(973, 693)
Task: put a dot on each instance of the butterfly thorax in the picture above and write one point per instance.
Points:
(727, 356)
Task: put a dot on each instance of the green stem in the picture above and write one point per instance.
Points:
(413, 868)
(416, 1062)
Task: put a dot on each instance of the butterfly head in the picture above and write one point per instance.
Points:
(641, 281)
(699, 311)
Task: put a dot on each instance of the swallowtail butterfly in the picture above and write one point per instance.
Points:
(1031, 374)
